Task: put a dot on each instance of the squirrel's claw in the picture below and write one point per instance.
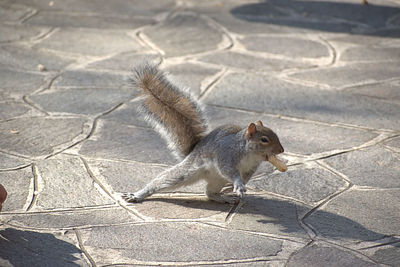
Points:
(130, 197)
(239, 189)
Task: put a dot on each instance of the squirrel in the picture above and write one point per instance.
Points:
(227, 156)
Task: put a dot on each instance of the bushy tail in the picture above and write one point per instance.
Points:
(170, 110)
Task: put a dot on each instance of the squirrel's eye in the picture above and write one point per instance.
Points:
(264, 139)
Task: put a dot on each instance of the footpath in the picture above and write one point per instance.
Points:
(324, 75)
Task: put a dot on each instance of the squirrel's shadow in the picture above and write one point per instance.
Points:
(28, 248)
(322, 16)
(284, 214)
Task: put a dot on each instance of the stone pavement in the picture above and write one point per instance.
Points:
(325, 75)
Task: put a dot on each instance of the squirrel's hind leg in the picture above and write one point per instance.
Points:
(213, 191)
(179, 175)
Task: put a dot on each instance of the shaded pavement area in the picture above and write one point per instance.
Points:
(325, 75)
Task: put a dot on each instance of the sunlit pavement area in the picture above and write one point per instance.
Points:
(324, 75)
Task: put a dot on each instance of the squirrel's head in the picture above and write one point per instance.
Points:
(263, 140)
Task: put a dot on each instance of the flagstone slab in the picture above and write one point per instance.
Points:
(115, 141)
(323, 255)
(16, 183)
(367, 53)
(292, 47)
(22, 57)
(9, 110)
(350, 74)
(307, 184)
(13, 12)
(18, 83)
(375, 16)
(70, 219)
(192, 76)
(389, 90)
(194, 207)
(249, 62)
(183, 34)
(32, 248)
(272, 95)
(389, 254)
(174, 242)
(10, 162)
(270, 215)
(91, 42)
(374, 167)
(39, 136)
(15, 32)
(62, 19)
(82, 101)
(65, 183)
(103, 7)
(358, 215)
(125, 61)
(90, 79)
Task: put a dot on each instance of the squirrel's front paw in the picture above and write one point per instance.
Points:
(130, 197)
(239, 189)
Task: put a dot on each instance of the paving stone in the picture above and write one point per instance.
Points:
(350, 74)
(193, 76)
(125, 61)
(275, 17)
(175, 242)
(389, 254)
(10, 162)
(82, 101)
(322, 255)
(295, 136)
(90, 79)
(184, 34)
(70, 219)
(287, 46)
(10, 33)
(12, 12)
(267, 214)
(375, 167)
(25, 58)
(181, 208)
(115, 141)
(65, 183)
(394, 144)
(263, 18)
(119, 8)
(9, 110)
(358, 215)
(91, 42)
(248, 62)
(273, 95)
(31, 248)
(38, 136)
(307, 184)
(375, 16)
(62, 19)
(386, 90)
(16, 82)
(127, 114)
(371, 54)
(17, 185)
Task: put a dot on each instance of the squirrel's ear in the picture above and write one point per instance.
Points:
(251, 129)
(259, 123)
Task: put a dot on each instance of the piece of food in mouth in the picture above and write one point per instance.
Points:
(279, 164)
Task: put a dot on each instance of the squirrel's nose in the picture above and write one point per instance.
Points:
(280, 150)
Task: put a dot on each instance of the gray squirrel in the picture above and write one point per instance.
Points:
(228, 155)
